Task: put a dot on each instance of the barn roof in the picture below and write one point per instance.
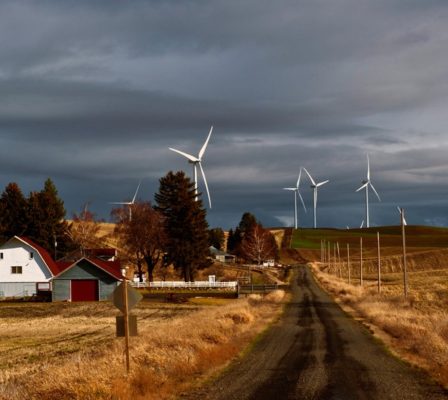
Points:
(110, 267)
(48, 260)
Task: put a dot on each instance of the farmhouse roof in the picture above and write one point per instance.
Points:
(48, 260)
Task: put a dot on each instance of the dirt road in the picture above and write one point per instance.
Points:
(317, 352)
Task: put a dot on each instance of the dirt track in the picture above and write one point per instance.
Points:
(317, 352)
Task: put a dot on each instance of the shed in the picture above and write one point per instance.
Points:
(88, 279)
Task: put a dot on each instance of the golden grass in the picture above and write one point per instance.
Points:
(416, 328)
(69, 351)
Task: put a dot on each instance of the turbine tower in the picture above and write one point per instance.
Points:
(198, 161)
(296, 191)
(314, 186)
(129, 203)
(365, 185)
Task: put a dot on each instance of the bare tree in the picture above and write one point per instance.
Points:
(143, 236)
(84, 229)
(258, 244)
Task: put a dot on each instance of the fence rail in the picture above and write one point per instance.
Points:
(185, 285)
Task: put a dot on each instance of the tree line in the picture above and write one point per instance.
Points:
(172, 231)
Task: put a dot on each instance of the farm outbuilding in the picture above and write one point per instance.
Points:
(88, 279)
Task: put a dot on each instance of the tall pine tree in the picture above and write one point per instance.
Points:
(185, 223)
(13, 212)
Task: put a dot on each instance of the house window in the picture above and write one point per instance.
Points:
(31, 255)
(1, 256)
(16, 270)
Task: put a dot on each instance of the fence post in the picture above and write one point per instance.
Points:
(360, 261)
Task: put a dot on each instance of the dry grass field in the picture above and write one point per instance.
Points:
(69, 351)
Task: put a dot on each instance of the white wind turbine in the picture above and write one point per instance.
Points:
(198, 161)
(314, 186)
(365, 185)
(296, 191)
(400, 212)
(129, 203)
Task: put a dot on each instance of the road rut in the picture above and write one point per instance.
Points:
(316, 351)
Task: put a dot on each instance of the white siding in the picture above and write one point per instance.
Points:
(17, 253)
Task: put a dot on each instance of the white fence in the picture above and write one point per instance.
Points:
(185, 285)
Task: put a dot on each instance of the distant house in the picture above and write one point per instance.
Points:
(221, 256)
(87, 279)
(25, 266)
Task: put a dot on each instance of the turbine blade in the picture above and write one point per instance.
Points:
(206, 186)
(323, 183)
(189, 156)
(135, 195)
(377, 195)
(202, 151)
(119, 202)
(298, 180)
(309, 176)
(301, 199)
(362, 224)
(368, 168)
(289, 189)
(362, 187)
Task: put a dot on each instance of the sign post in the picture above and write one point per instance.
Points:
(125, 298)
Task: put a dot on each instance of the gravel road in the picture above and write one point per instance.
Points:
(316, 351)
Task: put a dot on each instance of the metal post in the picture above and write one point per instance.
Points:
(405, 272)
(360, 261)
(379, 261)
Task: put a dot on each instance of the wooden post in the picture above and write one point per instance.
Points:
(360, 261)
(335, 262)
(379, 261)
(348, 262)
(339, 260)
(126, 321)
(405, 272)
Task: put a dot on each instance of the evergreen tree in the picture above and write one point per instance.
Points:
(13, 206)
(185, 223)
(216, 238)
(46, 224)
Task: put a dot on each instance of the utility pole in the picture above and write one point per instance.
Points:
(405, 272)
(360, 261)
(379, 261)
(126, 321)
(348, 262)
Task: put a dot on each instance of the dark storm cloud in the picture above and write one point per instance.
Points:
(94, 92)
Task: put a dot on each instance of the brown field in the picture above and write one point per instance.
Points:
(69, 351)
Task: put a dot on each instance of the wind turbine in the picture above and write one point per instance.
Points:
(314, 186)
(129, 203)
(365, 185)
(400, 212)
(296, 191)
(198, 161)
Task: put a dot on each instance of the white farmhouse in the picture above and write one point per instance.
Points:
(24, 266)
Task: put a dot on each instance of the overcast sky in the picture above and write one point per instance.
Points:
(92, 94)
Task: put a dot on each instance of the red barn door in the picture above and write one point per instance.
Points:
(84, 290)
